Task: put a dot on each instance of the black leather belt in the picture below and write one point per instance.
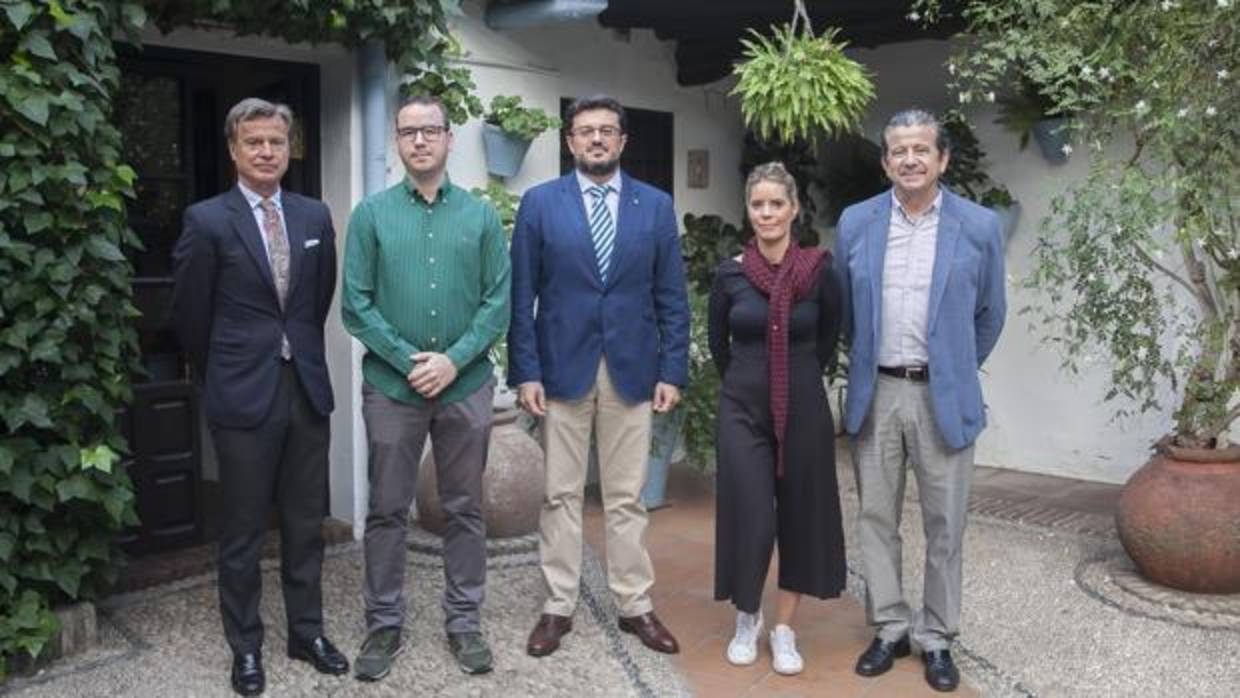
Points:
(917, 374)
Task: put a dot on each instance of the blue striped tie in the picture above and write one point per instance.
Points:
(602, 228)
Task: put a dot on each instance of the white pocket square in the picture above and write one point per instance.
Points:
(313, 242)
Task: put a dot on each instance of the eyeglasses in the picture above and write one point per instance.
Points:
(430, 134)
(589, 131)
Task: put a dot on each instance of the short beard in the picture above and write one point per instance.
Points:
(598, 169)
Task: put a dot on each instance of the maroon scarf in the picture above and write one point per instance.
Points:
(783, 284)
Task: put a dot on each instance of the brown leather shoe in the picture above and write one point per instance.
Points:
(545, 638)
(651, 632)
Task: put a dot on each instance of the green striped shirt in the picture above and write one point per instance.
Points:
(425, 276)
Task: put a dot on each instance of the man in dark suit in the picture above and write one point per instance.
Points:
(599, 337)
(923, 272)
(255, 271)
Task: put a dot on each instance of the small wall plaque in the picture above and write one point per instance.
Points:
(699, 168)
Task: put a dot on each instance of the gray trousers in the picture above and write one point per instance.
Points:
(899, 431)
(396, 433)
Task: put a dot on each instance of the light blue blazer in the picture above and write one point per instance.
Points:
(565, 318)
(965, 316)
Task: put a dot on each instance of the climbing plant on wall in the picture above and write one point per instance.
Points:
(68, 348)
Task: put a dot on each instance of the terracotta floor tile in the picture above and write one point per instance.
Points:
(815, 681)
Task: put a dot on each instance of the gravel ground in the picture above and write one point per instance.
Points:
(1051, 612)
(168, 641)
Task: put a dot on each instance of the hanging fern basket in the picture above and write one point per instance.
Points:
(795, 86)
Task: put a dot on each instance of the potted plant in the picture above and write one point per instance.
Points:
(966, 177)
(1029, 111)
(795, 86)
(508, 132)
(1140, 259)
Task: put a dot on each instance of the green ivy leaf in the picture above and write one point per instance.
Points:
(33, 411)
(104, 249)
(19, 13)
(76, 487)
(34, 107)
(20, 484)
(38, 221)
(6, 460)
(39, 45)
(99, 458)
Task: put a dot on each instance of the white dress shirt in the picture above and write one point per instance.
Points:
(907, 269)
(613, 197)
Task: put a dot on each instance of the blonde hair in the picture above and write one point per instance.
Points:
(773, 172)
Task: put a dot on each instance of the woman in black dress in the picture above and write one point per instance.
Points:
(773, 325)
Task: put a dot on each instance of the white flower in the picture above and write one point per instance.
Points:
(1211, 111)
(1104, 73)
(990, 96)
(1183, 112)
(913, 16)
(1233, 253)
(1156, 85)
(951, 68)
(1067, 149)
(1224, 4)
(1087, 71)
(965, 97)
(1222, 74)
(1142, 107)
(1169, 5)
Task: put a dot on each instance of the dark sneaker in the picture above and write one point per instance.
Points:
(374, 661)
(471, 652)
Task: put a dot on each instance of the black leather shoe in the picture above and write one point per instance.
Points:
(941, 671)
(247, 674)
(880, 655)
(321, 654)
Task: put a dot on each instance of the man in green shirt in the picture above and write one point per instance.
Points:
(426, 284)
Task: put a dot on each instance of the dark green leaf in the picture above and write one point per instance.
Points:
(38, 44)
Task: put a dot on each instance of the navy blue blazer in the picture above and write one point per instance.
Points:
(966, 313)
(564, 318)
(228, 316)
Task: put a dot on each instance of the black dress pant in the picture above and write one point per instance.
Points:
(282, 460)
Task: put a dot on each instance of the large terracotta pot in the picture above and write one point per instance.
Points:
(1179, 519)
(512, 486)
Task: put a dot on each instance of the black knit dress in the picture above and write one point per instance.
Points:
(755, 509)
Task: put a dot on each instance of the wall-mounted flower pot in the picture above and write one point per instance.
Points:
(504, 152)
(1052, 137)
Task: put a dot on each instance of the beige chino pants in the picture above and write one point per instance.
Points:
(623, 435)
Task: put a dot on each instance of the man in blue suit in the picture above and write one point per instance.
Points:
(923, 269)
(255, 271)
(599, 338)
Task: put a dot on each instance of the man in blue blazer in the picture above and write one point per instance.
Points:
(599, 338)
(255, 271)
(923, 269)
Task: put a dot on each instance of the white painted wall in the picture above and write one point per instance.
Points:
(1040, 419)
(579, 58)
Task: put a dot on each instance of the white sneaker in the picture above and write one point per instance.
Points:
(743, 649)
(784, 656)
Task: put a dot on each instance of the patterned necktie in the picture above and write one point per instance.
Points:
(602, 227)
(277, 248)
(277, 253)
